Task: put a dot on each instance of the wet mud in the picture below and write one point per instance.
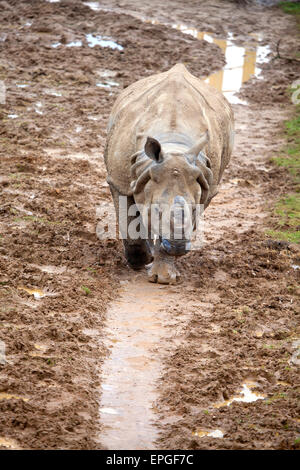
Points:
(73, 317)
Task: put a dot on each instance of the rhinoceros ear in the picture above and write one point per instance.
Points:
(153, 149)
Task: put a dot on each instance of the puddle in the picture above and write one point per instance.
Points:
(106, 73)
(9, 443)
(37, 293)
(107, 84)
(38, 107)
(216, 433)
(52, 93)
(102, 41)
(95, 6)
(295, 266)
(134, 329)
(92, 40)
(8, 396)
(22, 85)
(246, 395)
(241, 62)
(74, 44)
(12, 116)
(41, 347)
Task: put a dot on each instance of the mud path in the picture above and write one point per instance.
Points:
(137, 323)
(96, 357)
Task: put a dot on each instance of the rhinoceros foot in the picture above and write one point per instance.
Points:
(163, 271)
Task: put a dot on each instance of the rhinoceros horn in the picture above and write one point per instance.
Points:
(199, 159)
(203, 140)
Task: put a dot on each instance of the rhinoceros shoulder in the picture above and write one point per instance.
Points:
(142, 107)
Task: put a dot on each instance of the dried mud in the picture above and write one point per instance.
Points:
(235, 316)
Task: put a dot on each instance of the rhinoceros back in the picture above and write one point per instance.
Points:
(170, 102)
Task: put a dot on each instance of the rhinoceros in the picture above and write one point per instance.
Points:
(170, 137)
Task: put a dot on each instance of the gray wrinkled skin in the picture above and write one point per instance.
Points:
(170, 137)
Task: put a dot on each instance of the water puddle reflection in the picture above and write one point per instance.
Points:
(241, 62)
(9, 443)
(95, 6)
(107, 84)
(216, 433)
(37, 293)
(52, 93)
(9, 396)
(246, 395)
(92, 41)
(102, 41)
(41, 347)
(38, 107)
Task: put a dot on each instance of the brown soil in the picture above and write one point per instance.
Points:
(235, 314)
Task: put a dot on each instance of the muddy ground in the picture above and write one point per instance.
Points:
(236, 315)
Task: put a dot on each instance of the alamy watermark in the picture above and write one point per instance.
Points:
(296, 91)
(174, 222)
(2, 353)
(2, 92)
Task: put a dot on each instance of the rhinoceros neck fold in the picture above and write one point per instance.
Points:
(175, 138)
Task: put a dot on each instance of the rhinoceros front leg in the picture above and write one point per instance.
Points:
(137, 251)
(163, 268)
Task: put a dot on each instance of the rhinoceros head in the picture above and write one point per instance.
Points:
(168, 185)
